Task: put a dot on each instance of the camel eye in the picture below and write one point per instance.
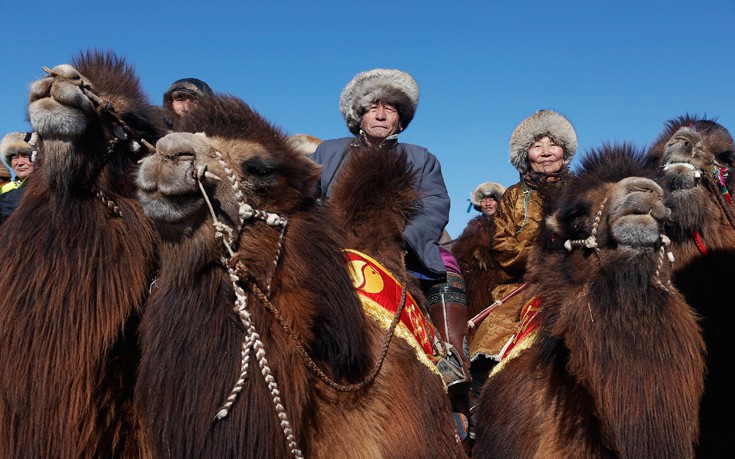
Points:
(257, 167)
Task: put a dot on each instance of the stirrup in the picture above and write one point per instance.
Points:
(452, 371)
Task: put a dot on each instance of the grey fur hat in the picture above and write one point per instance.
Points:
(484, 189)
(18, 142)
(543, 122)
(391, 86)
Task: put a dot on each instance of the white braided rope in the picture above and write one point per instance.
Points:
(252, 339)
(591, 241)
(257, 345)
(662, 252)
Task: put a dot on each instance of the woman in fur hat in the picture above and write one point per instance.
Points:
(17, 149)
(541, 148)
(472, 247)
(4, 174)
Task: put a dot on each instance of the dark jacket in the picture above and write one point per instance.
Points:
(425, 229)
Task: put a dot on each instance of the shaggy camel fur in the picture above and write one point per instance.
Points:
(81, 258)
(694, 157)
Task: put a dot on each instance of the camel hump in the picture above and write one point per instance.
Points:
(376, 185)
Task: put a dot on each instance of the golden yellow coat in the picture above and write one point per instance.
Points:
(517, 224)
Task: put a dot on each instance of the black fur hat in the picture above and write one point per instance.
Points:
(191, 86)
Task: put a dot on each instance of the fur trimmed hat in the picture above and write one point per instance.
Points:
(191, 86)
(304, 143)
(390, 86)
(543, 122)
(485, 189)
(18, 142)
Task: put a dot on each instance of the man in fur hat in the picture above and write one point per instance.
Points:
(486, 196)
(17, 149)
(181, 97)
(377, 105)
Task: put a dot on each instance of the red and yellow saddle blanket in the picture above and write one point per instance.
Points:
(380, 294)
(526, 333)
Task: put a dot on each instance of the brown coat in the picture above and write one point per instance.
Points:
(516, 230)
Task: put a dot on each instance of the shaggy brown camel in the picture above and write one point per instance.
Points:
(614, 366)
(694, 157)
(82, 259)
(236, 313)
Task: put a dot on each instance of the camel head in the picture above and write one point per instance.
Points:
(91, 116)
(695, 161)
(232, 167)
(609, 212)
(685, 159)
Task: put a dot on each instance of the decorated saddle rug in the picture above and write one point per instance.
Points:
(525, 335)
(489, 338)
(380, 294)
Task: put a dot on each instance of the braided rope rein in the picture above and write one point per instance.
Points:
(119, 129)
(310, 362)
(590, 242)
(252, 340)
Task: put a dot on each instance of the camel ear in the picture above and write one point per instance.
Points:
(727, 158)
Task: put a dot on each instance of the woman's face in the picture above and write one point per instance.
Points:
(545, 156)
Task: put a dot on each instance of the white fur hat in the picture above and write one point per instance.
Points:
(485, 189)
(391, 86)
(18, 142)
(543, 122)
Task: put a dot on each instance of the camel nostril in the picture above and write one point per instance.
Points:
(185, 156)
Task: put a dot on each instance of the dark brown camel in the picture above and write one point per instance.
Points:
(479, 269)
(694, 157)
(82, 259)
(616, 365)
(287, 255)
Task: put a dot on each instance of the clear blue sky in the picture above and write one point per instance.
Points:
(617, 69)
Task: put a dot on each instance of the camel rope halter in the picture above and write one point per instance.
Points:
(252, 339)
(590, 242)
(118, 128)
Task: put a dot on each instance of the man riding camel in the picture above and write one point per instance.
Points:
(377, 106)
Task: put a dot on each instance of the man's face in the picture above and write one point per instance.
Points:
(489, 206)
(380, 121)
(22, 165)
(182, 103)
